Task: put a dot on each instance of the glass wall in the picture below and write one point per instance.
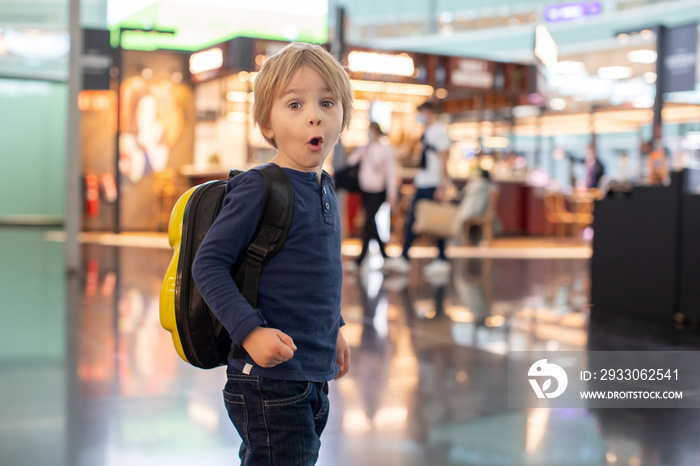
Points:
(34, 106)
(33, 132)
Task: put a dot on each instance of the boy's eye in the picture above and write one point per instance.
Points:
(327, 103)
(295, 105)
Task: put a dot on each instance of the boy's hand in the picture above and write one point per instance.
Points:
(343, 356)
(269, 347)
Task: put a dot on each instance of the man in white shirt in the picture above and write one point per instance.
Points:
(430, 182)
(377, 180)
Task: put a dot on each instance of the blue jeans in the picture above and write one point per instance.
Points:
(409, 236)
(279, 421)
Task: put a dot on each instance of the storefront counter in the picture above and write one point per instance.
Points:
(201, 174)
(646, 257)
(520, 209)
(198, 174)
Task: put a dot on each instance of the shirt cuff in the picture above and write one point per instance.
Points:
(246, 326)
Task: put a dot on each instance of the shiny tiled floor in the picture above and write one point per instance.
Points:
(88, 377)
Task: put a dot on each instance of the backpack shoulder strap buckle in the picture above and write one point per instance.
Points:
(257, 253)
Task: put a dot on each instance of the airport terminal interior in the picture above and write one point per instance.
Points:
(89, 377)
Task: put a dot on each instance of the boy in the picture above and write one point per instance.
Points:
(276, 393)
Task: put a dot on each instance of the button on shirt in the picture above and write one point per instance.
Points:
(300, 287)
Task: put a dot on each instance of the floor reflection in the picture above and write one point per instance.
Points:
(429, 363)
(428, 384)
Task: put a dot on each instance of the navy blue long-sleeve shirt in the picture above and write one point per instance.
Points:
(300, 287)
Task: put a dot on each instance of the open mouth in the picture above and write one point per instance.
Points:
(315, 141)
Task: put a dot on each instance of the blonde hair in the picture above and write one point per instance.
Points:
(277, 72)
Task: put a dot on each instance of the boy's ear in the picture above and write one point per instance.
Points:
(268, 133)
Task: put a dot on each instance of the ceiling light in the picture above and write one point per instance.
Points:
(206, 60)
(632, 88)
(237, 96)
(545, 47)
(525, 111)
(569, 67)
(495, 142)
(642, 56)
(381, 63)
(649, 77)
(643, 101)
(614, 72)
(623, 38)
(646, 34)
(441, 93)
(237, 117)
(447, 17)
(392, 88)
(35, 44)
(598, 88)
(557, 103)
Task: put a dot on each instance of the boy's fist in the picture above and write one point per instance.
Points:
(268, 346)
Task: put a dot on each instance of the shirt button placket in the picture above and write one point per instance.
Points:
(325, 200)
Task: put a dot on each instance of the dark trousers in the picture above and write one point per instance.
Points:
(279, 421)
(371, 203)
(409, 236)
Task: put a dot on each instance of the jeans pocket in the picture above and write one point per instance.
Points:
(238, 412)
(278, 393)
(323, 405)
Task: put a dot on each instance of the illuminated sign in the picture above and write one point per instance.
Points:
(206, 60)
(468, 72)
(198, 24)
(681, 50)
(95, 101)
(381, 63)
(545, 47)
(96, 59)
(264, 49)
(36, 44)
(571, 11)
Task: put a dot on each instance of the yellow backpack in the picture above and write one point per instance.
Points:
(198, 336)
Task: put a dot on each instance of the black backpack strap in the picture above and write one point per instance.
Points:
(275, 218)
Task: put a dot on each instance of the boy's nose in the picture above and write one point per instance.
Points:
(315, 117)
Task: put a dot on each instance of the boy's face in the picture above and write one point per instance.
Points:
(305, 122)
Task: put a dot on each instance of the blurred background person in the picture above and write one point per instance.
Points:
(430, 182)
(475, 199)
(594, 169)
(377, 179)
(626, 171)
